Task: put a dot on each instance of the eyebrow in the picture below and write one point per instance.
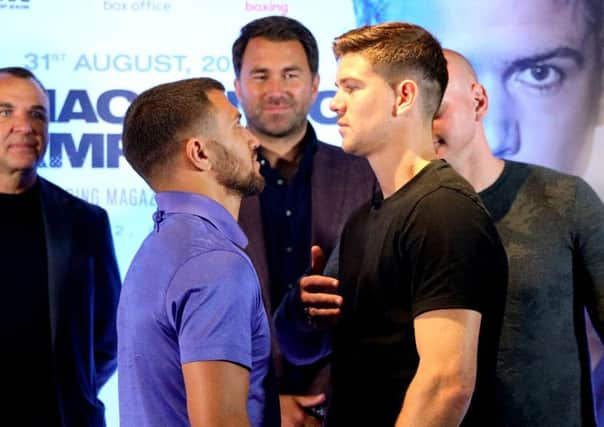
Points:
(345, 80)
(564, 52)
(293, 68)
(266, 70)
(39, 108)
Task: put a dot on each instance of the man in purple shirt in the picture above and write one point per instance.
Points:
(194, 339)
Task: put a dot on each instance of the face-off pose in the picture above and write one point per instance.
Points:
(422, 272)
(194, 338)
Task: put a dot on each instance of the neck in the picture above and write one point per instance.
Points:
(399, 162)
(282, 153)
(229, 199)
(231, 202)
(478, 165)
(18, 182)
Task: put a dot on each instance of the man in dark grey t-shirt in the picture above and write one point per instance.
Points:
(552, 226)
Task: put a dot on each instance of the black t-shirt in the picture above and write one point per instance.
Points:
(431, 245)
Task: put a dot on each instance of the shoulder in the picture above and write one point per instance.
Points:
(442, 202)
(221, 265)
(450, 206)
(65, 200)
(197, 240)
(544, 176)
(555, 188)
(439, 190)
(217, 275)
(442, 175)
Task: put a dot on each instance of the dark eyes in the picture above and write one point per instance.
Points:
(35, 114)
(539, 77)
(289, 75)
(39, 115)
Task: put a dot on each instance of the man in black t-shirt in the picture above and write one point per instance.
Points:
(422, 271)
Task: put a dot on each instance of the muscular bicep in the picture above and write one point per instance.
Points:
(217, 393)
(443, 385)
(447, 342)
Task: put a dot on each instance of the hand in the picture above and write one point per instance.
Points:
(293, 412)
(318, 293)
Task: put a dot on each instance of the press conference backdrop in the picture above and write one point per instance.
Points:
(95, 56)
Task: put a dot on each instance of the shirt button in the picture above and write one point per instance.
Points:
(290, 285)
(289, 249)
(262, 162)
(288, 213)
(279, 181)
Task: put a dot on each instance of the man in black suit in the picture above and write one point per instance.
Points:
(60, 279)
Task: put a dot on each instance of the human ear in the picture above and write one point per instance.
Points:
(481, 100)
(196, 152)
(406, 96)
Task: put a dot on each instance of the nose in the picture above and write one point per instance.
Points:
(336, 104)
(275, 85)
(22, 122)
(501, 122)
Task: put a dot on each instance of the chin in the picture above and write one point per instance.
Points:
(349, 146)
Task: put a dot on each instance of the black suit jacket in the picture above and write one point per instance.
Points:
(84, 285)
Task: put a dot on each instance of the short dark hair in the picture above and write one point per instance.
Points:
(276, 28)
(161, 117)
(594, 15)
(22, 73)
(397, 50)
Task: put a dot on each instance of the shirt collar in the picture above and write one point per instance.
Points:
(309, 147)
(203, 207)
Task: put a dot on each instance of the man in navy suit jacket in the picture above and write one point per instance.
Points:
(60, 279)
(311, 187)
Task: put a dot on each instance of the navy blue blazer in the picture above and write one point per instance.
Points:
(84, 285)
(340, 183)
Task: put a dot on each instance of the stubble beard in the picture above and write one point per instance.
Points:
(248, 185)
(230, 176)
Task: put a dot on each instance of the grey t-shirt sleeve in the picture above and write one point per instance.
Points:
(589, 244)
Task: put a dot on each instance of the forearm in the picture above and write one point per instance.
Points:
(219, 418)
(217, 393)
(435, 400)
